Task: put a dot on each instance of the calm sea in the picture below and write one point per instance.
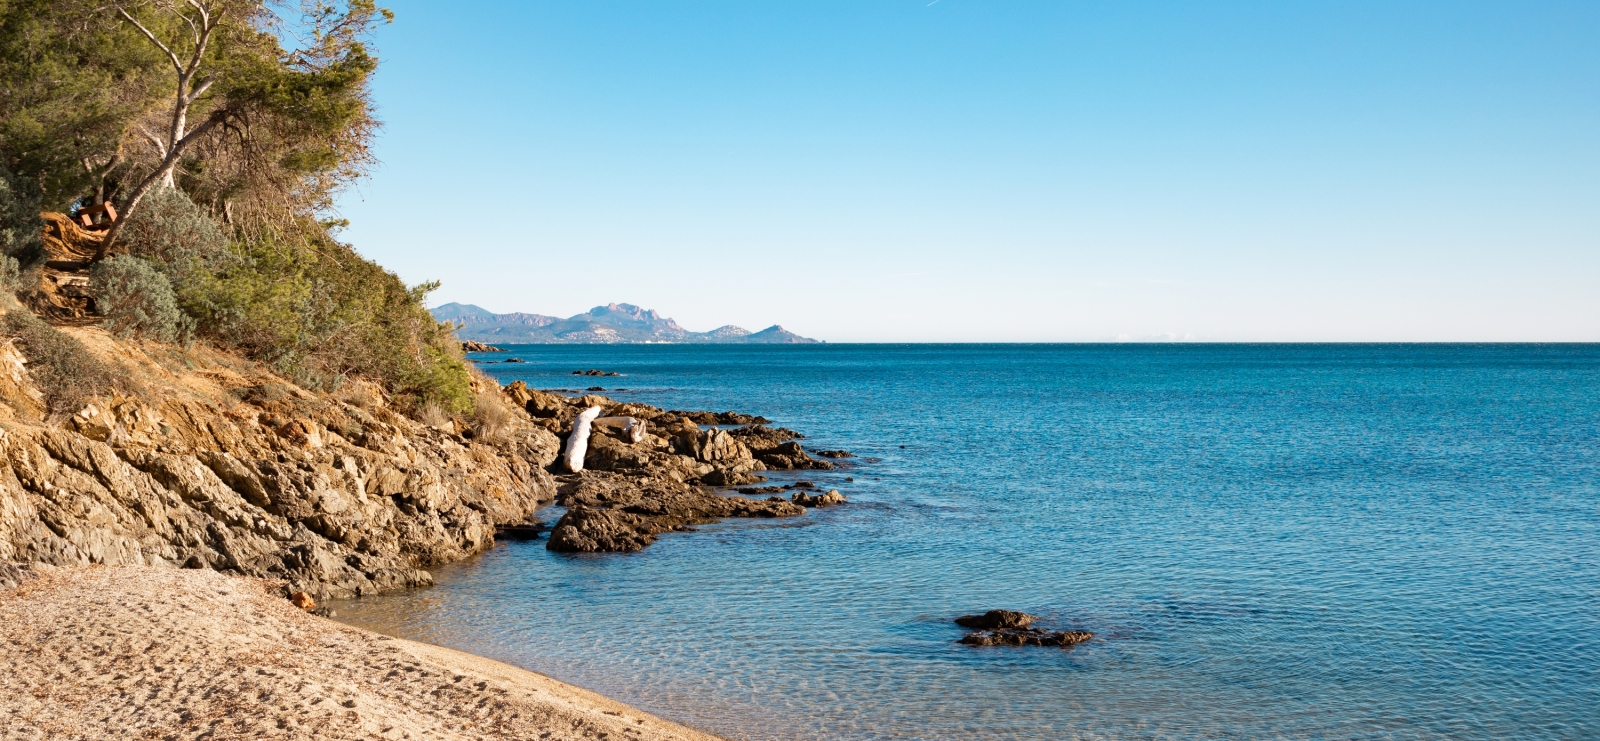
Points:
(1269, 541)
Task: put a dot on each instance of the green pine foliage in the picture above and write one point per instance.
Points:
(245, 244)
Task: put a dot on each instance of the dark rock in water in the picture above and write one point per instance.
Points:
(515, 360)
(1027, 637)
(1010, 628)
(594, 372)
(818, 500)
(589, 530)
(761, 436)
(523, 531)
(595, 388)
(611, 511)
(835, 454)
(763, 490)
(790, 456)
(721, 418)
(996, 619)
(801, 485)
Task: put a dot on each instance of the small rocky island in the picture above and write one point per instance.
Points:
(1012, 628)
(629, 472)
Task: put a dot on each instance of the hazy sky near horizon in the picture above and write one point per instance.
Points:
(878, 170)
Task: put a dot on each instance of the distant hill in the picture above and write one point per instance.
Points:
(609, 324)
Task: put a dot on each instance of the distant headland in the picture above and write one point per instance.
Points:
(613, 324)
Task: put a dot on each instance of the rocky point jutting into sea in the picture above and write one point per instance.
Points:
(212, 462)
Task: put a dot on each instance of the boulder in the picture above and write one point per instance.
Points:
(829, 499)
(712, 446)
(996, 619)
(589, 530)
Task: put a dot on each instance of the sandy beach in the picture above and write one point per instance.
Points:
(134, 652)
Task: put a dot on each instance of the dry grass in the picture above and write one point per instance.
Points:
(433, 414)
(361, 394)
(493, 415)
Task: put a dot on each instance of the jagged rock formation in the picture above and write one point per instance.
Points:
(218, 464)
(618, 512)
(609, 324)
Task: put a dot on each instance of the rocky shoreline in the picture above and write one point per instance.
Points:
(205, 461)
(649, 470)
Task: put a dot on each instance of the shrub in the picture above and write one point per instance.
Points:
(10, 273)
(433, 415)
(60, 365)
(19, 220)
(180, 237)
(137, 299)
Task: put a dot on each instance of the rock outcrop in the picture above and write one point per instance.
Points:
(619, 512)
(218, 464)
(472, 346)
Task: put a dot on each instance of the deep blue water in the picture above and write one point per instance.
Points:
(1270, 541)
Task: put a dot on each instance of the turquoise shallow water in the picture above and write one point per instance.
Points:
(1270, 541)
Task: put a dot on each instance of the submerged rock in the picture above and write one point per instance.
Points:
(1063, 638)
(1012, 628)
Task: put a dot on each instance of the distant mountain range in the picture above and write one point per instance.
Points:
(610, 324)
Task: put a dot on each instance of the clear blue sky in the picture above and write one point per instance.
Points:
(880, 170)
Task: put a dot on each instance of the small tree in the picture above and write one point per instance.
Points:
(233, 75)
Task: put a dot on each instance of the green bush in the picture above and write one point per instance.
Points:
(60, 365)
(19, 220)
(180, 237)
(137, 299)
(10, 273)
(317, 312)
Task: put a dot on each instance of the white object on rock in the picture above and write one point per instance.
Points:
(578, 441)
(630, 426)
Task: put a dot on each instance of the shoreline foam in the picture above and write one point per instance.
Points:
(140, 652)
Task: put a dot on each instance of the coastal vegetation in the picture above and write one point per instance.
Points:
(219, 132)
